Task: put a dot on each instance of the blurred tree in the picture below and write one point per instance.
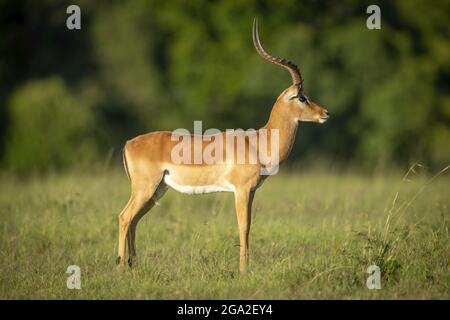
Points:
(49, 128)
(158, 65)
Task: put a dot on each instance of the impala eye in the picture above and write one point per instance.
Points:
(302, 98)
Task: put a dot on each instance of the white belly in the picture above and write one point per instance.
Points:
(226, 187)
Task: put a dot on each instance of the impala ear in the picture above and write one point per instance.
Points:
(291, 95)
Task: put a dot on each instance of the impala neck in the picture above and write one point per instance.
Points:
(281, 119)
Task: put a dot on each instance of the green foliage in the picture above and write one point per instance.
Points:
(159, 65)
(48, 127)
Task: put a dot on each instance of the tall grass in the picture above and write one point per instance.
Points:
(314, 234)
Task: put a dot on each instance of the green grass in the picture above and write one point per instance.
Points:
(313, 236)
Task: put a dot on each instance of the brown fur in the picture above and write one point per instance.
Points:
(147, 160)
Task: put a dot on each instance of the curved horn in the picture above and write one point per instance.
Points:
(291, 67)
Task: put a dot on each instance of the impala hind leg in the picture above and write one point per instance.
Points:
(243, 202)
(131, 237)
(140, 202)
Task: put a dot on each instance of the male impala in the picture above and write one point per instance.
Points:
(148, 161)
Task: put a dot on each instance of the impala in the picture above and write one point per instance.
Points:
(148, 162)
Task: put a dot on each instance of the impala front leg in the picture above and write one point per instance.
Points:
(243, 202)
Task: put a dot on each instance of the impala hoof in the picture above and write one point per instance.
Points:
(120, 265)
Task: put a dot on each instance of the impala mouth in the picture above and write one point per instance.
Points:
(323, 119)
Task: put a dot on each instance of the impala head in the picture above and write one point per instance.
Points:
(294, 99)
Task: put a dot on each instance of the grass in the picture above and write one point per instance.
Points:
(314, 235)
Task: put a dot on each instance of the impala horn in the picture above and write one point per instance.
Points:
(290, 66)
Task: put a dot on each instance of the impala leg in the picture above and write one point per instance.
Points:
(131, 236)
(243, 202)
(138, 204)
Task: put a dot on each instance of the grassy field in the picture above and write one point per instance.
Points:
(314, 234)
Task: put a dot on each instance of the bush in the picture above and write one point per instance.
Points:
(49, 127)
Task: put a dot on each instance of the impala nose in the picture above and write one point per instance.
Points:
(327, 113)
